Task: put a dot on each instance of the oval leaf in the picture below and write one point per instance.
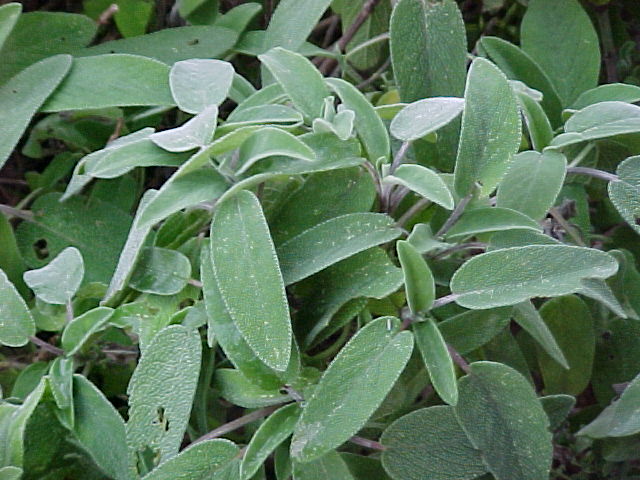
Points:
(418, 279)
(16, 322)
(424, 182)
(78, 331)
(490, 219)
(58, 282)
(199, 83)
(625, 194)
(161, 271)
(425, 116)
(197, 132)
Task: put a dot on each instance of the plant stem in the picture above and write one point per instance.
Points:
(595, 173)
(455, 215)
(15, 212)
(458, 360)
(238, 423)
(444, 300)
(46, 346)
(456, 248)
(411, 211)
(567, 227)
(365, 442)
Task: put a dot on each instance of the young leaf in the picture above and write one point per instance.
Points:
(275, 430)
(532, 183)
(444, 453)
(354, 384)
(437, 360)
(197, 84)
(292, 22)
(9, 15)
(58, 281)
(16, 322)
(161, 391)
(300, 80)
(614, 92)
(160, 271)
(490, 133)
(625, 194)
(424, 182)
(418, 279)
(78, 331)
(502, 417)
(330, 465)
(61, 385)
(197, 132)
(22, 96)
(423, 117)
(538, 124)
(512, 275)
(490, 219)
(244, 262)
(332, 241)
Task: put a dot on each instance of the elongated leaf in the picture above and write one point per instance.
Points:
(244, 260)
(161, 391)
(78, 331)
(16, 322)
(9, 15)
(100, 430)
(512, 275)
(424, 182)
(271, 433)
(445, 453)
(11, 473)
(418, 279)
(490, 133)
(201, 461)
(437, 360)
(13, 444)
(300, 80)
(195, 133)
(197, 84)
(330, 465)
(161, 271)
(613, 92)
(243, 391)
(503, 419)
(332, 241)
(599, 290)
(575, 66)
(292, 22)
(423, 117)
(490, 219)
(472, 329)
(354, 384)
(61, 385)
(625, 194)
(538, 124)
(526, 315)
(22, 96)
(533, 183)
(58, 282)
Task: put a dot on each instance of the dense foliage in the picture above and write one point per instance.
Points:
(347, 240)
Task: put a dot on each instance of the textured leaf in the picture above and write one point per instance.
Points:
(512, 275)
(262, 114)
(332, 241)
(161, 391)
(472, 329)
(625, 194)
(445, 453)
(161, 271)
(613, 92)
(419, 284)
(22, 95)
(125, 80)
(532, 183)
(300, 80)
(424, 182)
(244, 260)
(351, 388)
(58, 281)
(490, 219)
(423, 117)
(10, 473)
(196, 132)
(330, 466)
(16, 322)
(9, 15)
(490, 133)
(61, 385)
(78, 331)
(13, 440)
(437, 360)
(197, 84)
(275, 430)
(245, 392)
(538, 124)
(557, 408)
(292, 22)
(574, 66)
(503, 419)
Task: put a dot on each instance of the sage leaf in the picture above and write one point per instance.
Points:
(197, 84)
(245, 392)
(424, 182)
(61, 385)
(472, 329)
(490, 219)
(331, 465)
(503, 419)
(58, 281)
(625, 194)
(244, 261)
(11, 473)
(419, 284)
(423, 117)
(78, 331)
(538, 124)
(292, 22)
(9, 15)
(332, 241)
(196, 132)
(160, 271)
(513, 275)
(613, 92)
(16, 322)
(354, 384)
(437, 360)
(557, 408)
(490, 133)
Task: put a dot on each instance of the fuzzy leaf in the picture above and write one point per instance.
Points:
(78, 331)
(424, 182)
(490, 219)
(292, 22)
(196, 132)
(625, 194)
(16, 322)
(423, 117)
(197, 84)
(161, 271)
(419, 284)
(58, 281)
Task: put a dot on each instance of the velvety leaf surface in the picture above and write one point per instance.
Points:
(58, 281)
(625, 194)
(490, 219)
(419, 284)
(331, 465)
(613, 92)
(161, 271)
(424, 182)
(16, 322)
(78, 330)
(197, 84)
(423, 117)
(9, 15)
(437, 360)
(472, 329)
(196, 132)
(290, 31)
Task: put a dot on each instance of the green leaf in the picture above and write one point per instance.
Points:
(355, 384)
(598, 290)
(16, 422)
(538, 124)
(100, 430)
(490, 133)
(244, 260)
(512, 275)
(445, 453)
(502, 417)
(490, 219)
(435, 355)
(196, 132)
(199, 83)
(292, 22)
(418, 279)
(11, 261)
(532, 183)
(423, 117)
(369, 125)
(330, 465)
(61, 385)
(424, 182)
(569, 321)
(519, 238)
(364, 468)
(23, 94)
(305, 87)
(58, 281)
(9, 15)
(619, 419)
(171, 45)
(200, 461)
(271, 142)
(125, 80)
(161, 391)
(242, 391)
(574, 66)
(275, 430)
(16, 322)
(625, 194)
(472, 329)
(78, 331)
(161, 271)
(28, 379)
(557, 408)
(613, 92)
(10, 473)
(331, 241)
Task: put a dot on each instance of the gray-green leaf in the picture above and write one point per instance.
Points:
(78, 331)
(58, 281)
(200, 83)
(437, 360)
(490, 219)
(419, 284)
(625, 194)
(16, 322)
(161, 271)
(196, 132)
(526, 315)
(424, 182)
(425, 116)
